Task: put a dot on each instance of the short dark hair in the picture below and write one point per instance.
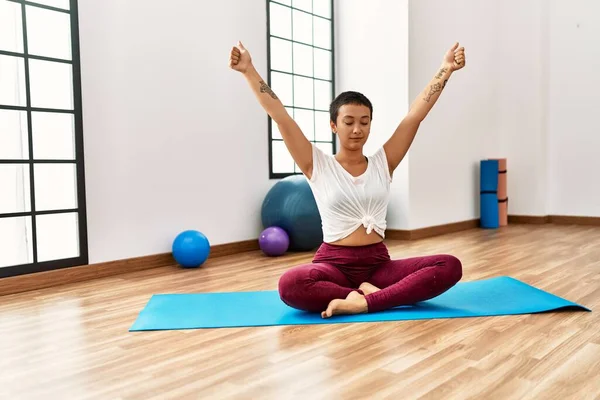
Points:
(349, 97)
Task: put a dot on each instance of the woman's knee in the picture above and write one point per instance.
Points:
(292, 284)
(453, 267)
(311, 287)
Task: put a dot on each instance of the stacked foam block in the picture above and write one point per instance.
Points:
(493, 193)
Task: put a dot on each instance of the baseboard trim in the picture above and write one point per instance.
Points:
(431, 231)
(554, 219)
(443, 229)
(528, 219)
(41, 280)
(574, 220)
(397, 234)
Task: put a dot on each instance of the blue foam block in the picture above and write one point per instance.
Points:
(490, 297)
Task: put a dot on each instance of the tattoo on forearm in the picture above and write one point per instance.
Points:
(436, 87)
(441, 73)
(444, 85)
(264, 88)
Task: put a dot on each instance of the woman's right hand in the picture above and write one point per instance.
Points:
(239, 58)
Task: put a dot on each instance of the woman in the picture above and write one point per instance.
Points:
(352, 271)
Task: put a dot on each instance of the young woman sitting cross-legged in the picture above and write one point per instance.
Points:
(352, 271)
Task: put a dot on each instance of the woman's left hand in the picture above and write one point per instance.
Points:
(455, 58)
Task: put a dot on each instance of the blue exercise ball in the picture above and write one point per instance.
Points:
(291, 205)
(190, 249)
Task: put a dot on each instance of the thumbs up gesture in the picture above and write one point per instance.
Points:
(454, 58)
(239, 58)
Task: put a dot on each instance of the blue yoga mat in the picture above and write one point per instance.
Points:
(490, 214)
(488, 181)
(488, 202)
(490, 297)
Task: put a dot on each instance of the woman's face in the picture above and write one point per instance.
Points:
(353, 126)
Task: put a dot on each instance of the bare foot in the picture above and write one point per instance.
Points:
(354, 303)
(367, 288)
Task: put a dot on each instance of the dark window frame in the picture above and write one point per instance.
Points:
(279, 175)
(81, 210)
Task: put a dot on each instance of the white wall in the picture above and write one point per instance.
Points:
(174, 140)
(521, 115)
(492, 108)
(573, 107)
(451, 140)
(371, 58)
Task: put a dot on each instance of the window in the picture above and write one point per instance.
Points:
(301, 73)
(42, 195)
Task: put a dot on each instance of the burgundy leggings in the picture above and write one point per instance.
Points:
(338, 270)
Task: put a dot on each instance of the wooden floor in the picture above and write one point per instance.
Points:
(72, 342)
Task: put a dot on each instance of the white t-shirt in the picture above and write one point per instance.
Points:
(346, 202)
